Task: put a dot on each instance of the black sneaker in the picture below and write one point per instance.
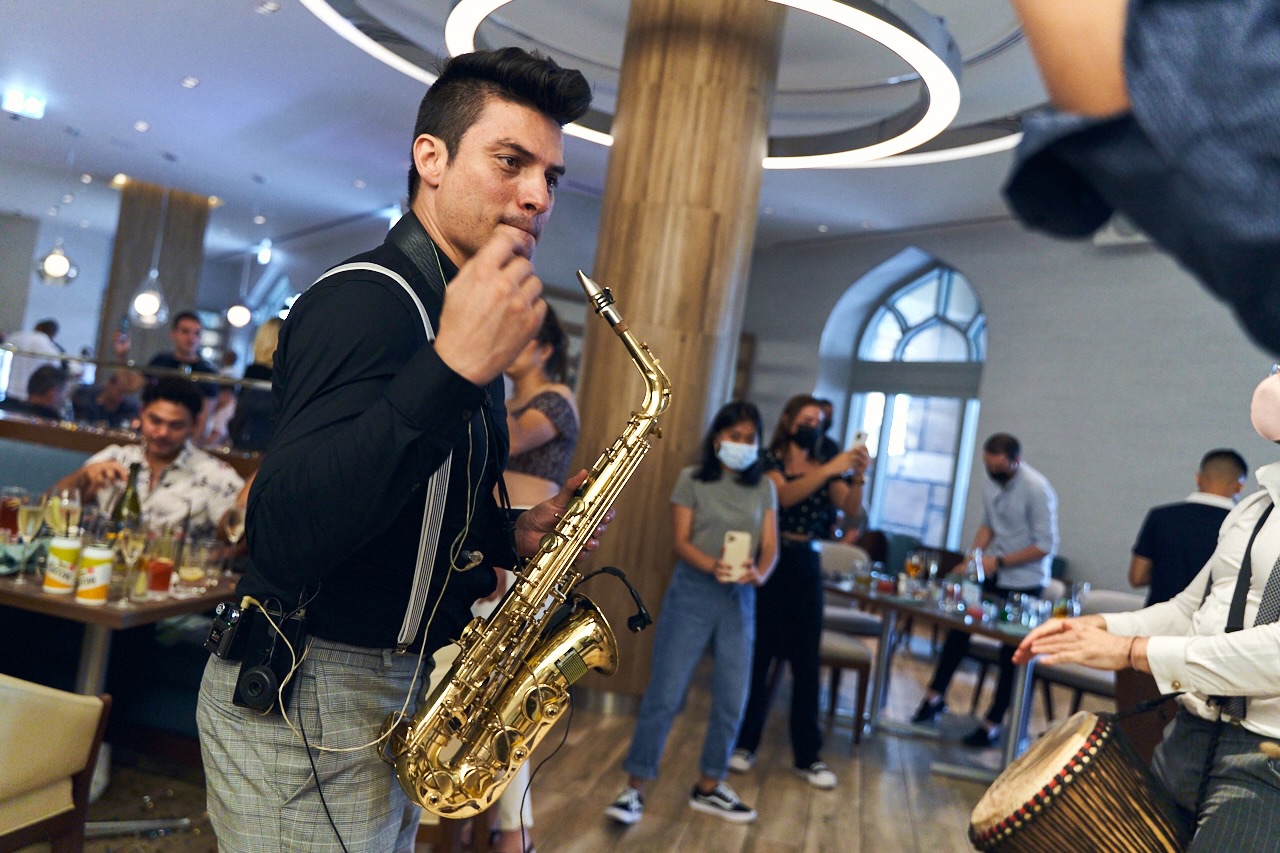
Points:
(721, 801)
(628, 807)
(929, 710)
(980, 737)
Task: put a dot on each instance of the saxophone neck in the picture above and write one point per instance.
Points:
(657, 384)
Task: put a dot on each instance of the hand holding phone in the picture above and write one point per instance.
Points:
(736, 554)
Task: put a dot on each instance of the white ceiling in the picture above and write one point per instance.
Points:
(288, 116)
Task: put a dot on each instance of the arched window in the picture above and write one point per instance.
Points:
(913, 388)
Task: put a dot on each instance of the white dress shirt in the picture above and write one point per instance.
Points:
(1188, 648)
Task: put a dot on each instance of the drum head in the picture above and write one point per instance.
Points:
(1032, 770)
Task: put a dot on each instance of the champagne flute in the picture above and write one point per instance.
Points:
(233, 526)
(30, 520)
(131, 541)
(63, 512)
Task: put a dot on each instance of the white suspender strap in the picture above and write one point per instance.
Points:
(437, 486)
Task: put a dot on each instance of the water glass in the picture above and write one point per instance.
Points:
(193, 568)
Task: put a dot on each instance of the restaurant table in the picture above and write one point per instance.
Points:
(101, 620)
(891, 607)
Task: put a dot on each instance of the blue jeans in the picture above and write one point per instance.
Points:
(698, 611)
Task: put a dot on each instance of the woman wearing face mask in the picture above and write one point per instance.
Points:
(708, 603)
(789, 611)
(1215, 644)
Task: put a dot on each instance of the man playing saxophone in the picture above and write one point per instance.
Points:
(373, 511)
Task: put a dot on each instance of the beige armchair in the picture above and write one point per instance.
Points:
(48, 747)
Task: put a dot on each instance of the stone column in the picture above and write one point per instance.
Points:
(676, 233)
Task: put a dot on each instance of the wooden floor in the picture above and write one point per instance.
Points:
(887, 799)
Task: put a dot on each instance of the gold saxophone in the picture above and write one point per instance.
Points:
(509, 682)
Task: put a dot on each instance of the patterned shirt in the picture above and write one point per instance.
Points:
(549, 461)
(196, 479)
(815, 514)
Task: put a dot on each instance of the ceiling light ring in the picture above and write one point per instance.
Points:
(919, 38)
(595, 125)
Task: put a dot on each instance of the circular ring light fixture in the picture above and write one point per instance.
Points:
(918, 38)
(923, 39)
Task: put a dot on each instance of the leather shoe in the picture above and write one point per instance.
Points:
(980, 737)
(929, 710)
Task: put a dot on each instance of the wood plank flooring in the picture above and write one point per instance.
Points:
(887, 799)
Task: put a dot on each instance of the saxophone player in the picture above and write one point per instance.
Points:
(377, 487)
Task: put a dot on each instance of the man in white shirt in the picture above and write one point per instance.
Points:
(176, 481)
(1217, 642)
(37, 340)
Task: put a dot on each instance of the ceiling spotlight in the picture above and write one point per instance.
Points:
(119, 180)
(359, 184)
(267, 7)
(141, 126)
(55, 267)
(190, 82)
(239, 316)
(68, 198)
(259, 220)
(823, 229)
(264, 251)
(86, 178)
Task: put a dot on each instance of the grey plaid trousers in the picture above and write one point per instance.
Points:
(262, 793)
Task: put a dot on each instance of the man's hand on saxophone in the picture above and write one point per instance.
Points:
(537, 522)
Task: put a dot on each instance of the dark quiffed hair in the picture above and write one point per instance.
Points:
(1004, 445)
(174, 389)
(782, 432)
(455, 100)
(709, 468)
(552, 335)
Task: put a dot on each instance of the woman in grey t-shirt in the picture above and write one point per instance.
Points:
(709, 603)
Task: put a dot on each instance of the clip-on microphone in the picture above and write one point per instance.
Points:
(639, 620)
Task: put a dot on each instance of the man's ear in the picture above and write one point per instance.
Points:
(430, 158)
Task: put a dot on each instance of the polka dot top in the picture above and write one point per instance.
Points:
(813, 516)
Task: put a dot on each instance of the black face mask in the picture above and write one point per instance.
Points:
(1000, 477)
(807, 438)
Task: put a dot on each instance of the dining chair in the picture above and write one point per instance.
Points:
(49, 741)
(839, 651)
(1082, 679)
(838, 559)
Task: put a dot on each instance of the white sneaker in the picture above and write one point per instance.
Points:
(627, 808)
(742, 761)
(818, 775)
(722, 802)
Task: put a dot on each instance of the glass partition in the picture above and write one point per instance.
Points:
(98, 396)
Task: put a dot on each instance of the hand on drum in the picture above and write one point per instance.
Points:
(1084, 641)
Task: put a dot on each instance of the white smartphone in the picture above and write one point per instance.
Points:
(737, 550)
(859, 439)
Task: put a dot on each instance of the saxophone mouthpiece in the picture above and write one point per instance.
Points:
(601, 299)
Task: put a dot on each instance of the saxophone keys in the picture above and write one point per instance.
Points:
(537, 700)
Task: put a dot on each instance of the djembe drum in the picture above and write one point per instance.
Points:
(1079, 788)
